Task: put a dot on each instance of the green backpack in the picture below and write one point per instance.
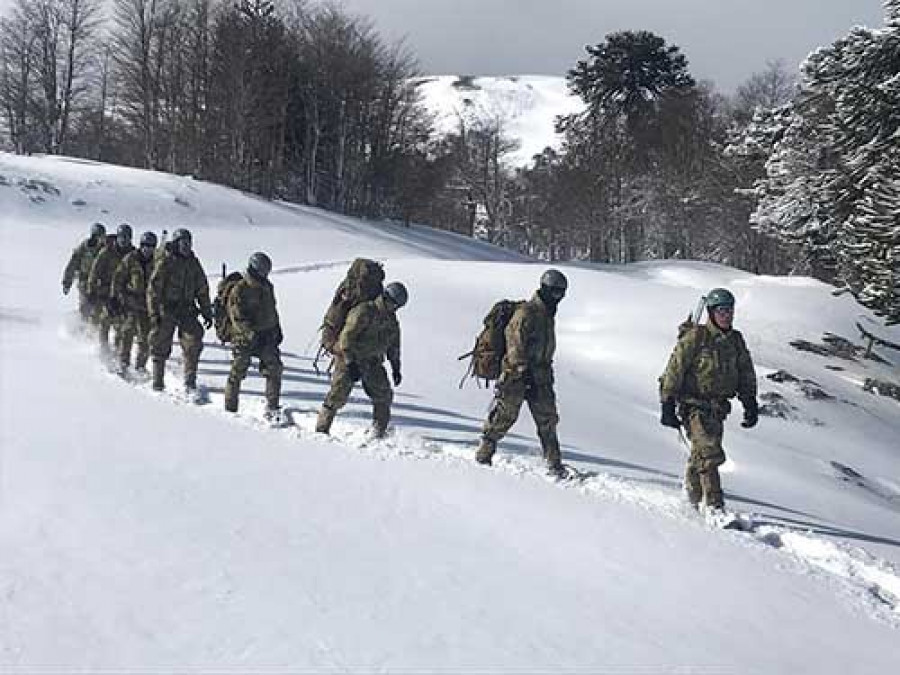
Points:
(490, 345)
(221, 319)
(364, 282)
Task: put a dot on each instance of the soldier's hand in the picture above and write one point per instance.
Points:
(207, 322)
(751, 413)
(114, 306)
(354, 371)
(669, 417)
(66, 289)
(398, 377)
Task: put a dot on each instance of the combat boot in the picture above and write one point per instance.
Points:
(486, 450)
(381, 415)
(324, 420)
(159, 372)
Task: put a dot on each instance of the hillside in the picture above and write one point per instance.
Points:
(140, 532)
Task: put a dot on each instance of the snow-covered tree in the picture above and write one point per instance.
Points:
(833, 177)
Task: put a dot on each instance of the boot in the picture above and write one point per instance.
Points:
(486, 450)
(232, 391)
(381, 415)
(551, 453)
(159, 371)
(324, 420)
(190, 379)
(273, 393)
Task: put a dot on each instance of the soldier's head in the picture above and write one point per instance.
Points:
(553, 287)
(259, 265)
(395, 295)
(720, 306)
(98, 232)
(123, 235)
(182, 242)
(148, 245)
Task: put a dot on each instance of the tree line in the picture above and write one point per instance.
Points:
(305, 102)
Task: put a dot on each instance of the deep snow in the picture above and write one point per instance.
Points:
(141, 532)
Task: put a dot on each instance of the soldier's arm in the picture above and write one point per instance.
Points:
(72, 267)
(517, 336)
(746, 372)
(242, 314)
(680, 360)
(357, 321)
(155, 288)
(119, 280)
(393, 350)
(203, 293)
(95, 279)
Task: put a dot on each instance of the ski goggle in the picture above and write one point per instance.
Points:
(723, 309)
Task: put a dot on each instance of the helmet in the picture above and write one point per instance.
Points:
(259, 264)
(148, 239)
(98, 230)
(719, 297)
(397, 293)
(180, 234)
(123, 233)
(554, 279)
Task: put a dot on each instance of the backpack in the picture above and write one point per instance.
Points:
(364, 282)
(490, 345)
(220, 307)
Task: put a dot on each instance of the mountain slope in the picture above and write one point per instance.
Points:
(140, 532)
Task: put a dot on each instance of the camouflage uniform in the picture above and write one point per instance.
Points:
(256, 331)
(129, 286)
(100, 288)
(707, 368)
(370, 333)
(79, 265)
(178, 292)
(527, 375)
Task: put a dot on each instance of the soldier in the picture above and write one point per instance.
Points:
(527, 373)
(100, 285)
(255, 331)
(370, 333)
(79, 265)
(129, 285)
(178, 292)
(709, 365)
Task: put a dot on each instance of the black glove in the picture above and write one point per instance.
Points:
(207, 322)
(398, 377)
(751, 413)
(354, 371)
(114, 306)
(277, 337)
(66, 289)
(669, 417)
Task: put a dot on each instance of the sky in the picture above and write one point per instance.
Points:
(724, 40)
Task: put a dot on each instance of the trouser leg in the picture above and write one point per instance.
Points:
(240, 362)
(378, 388)
(707, 455)
(190, 334)
(508, 398)
(542, 403)
(125, 340)
(142, 336)
(272, 369)
(337, 397)
(161, 332)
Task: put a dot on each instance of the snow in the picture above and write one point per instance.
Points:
(140, 532)
(526, 107)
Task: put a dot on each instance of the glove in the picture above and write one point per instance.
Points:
(353, 371)
(278, 337)
(66, 289)
(207, 322)
(751, 413)
(669, 417)
(398, 377)
(114, 306)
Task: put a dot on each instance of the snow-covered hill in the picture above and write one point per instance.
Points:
(141, 533)
(526, 107)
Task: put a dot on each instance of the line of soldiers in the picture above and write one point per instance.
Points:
(145, 295)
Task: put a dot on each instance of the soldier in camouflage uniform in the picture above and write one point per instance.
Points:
(527, 373)
(100, 286)
(79, 265)
(129, 285)
(709, 365)
(370, 333)
(178, 292)
(256, 331)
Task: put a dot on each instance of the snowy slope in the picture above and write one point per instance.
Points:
(139, 532)
(526, 107)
